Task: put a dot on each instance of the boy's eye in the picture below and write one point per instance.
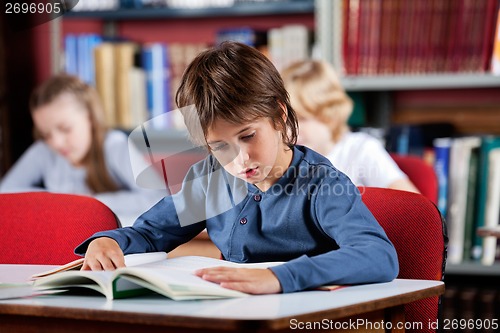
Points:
(248, 137)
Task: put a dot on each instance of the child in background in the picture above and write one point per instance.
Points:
(323, 110)
(76, 153)
(260, 197)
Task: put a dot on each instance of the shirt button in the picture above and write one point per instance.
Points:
(243, 220)
(257, 197)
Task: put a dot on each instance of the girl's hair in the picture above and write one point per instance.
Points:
(236, 83)
(98, 177)
(315, 90)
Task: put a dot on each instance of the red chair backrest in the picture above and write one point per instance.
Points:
(45, 228)
(418, 231)
(421, 174)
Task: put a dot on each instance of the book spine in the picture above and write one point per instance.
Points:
(105, 80)
(442, 161)
(488, 143)
(470, 209)
(71, 54)
(492, 206)
(495, 58)
(154, 62)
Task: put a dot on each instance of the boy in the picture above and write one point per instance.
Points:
(260, 197)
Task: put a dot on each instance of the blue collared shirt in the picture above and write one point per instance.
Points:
(312, 218)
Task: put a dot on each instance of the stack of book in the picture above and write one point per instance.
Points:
(415, 37)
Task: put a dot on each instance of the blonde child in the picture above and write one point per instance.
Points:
(323, 109)
(76, 153)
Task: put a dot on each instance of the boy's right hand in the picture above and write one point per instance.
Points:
(103, 254)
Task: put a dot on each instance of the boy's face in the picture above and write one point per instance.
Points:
(254, 151)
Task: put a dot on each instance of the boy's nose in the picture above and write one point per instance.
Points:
(242, 157)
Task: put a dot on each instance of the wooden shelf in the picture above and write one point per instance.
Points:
(423, 81)
(472, 268)
(243, 9)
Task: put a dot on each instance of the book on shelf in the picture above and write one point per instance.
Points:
(246, 35)
(413, 37)
(105, 80)
(471, 204)
(288, 44)
(461, 157)
(495, 58)
(442, 148)
(488, 143)
(156, 61)
(79, 55)
(124, 54)
(492, 206)
(146, 273)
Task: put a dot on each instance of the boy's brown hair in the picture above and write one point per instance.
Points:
(236, 83)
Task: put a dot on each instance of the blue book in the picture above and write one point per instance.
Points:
(71, 54)
(92, 42)
(156, 66)
(405, 140)
(86, 44)
(441, 166)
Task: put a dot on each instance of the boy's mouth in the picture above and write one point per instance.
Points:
(249, 173)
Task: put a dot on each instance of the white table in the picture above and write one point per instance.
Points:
(383, 301)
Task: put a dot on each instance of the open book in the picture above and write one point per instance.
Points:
(146, 272)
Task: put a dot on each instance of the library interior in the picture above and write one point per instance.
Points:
(423, 76)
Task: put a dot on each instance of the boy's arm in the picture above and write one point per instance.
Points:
(159, 229)
(365, 254)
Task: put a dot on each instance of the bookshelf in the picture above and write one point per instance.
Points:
(385, 89)
(473, 268)
(415, 82)
(184, 31)
(275, 8)
(334, 34)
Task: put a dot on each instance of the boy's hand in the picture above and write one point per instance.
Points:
(247, 280)
(103, 254)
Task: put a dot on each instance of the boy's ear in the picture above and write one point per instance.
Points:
(285, 111)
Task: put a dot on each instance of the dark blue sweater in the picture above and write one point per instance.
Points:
(312, 217)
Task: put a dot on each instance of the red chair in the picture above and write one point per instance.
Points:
(421, 174)
(418, 231)
(44, 228)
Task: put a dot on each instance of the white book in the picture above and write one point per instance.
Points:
(173, 278)
(276, 47)
(492, 206)
(458, 186)
(295, 44)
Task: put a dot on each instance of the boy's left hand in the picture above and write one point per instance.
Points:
(247, 280)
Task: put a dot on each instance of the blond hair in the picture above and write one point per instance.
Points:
(315, 90)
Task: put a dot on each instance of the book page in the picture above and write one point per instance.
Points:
(193, 263)
(175, 277)
(134, 259)
(96, 280)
